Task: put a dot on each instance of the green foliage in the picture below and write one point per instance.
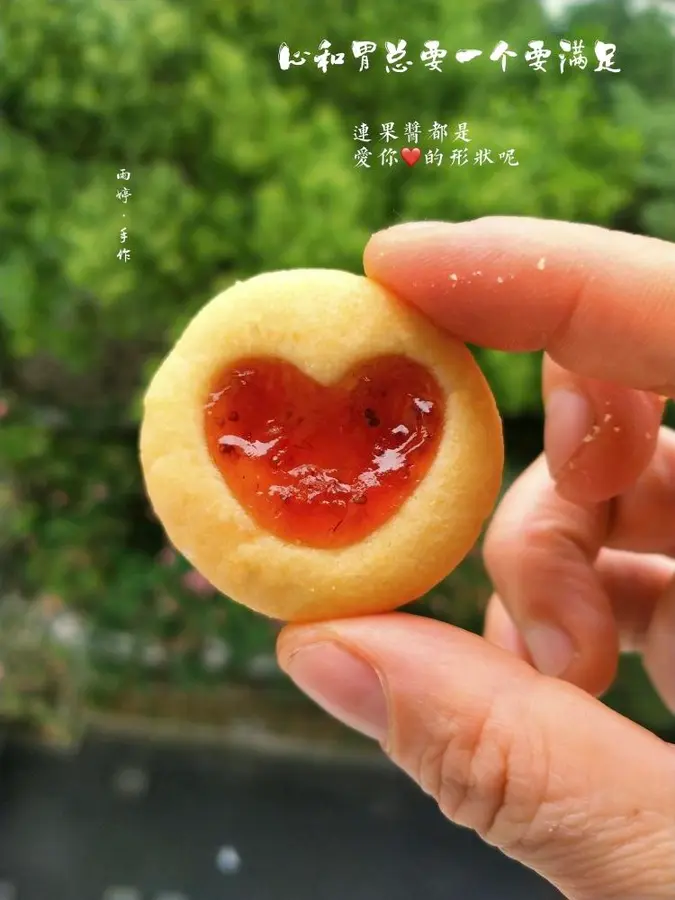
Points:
(239, 168)
(42, 679)
(515, 379)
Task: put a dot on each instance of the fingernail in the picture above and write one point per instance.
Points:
(343, 684)
(569, 419)
(552, 651)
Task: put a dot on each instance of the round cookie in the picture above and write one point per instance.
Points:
(318, 449)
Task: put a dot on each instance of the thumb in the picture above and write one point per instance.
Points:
(538, 768)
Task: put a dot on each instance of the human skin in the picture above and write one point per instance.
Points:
(505, 731)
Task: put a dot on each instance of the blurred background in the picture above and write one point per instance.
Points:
(152, 152)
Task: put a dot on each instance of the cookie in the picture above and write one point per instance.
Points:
(316, 448)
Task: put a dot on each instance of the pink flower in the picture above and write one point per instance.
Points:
(4, 408)
(196, 583)
(167, 557)
(52, 604)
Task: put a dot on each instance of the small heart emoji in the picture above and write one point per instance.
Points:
(410, 155)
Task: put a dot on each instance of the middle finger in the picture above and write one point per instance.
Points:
(541, 549)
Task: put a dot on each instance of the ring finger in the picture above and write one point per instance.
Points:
(641, 590)
(541, 550)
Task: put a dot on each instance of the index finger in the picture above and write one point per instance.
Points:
(600, 302)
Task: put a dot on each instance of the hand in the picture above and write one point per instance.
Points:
(580, 554)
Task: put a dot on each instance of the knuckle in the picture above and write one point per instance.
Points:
(546, 529)
(501, 545)
(539, 543)
(490, 775)
(525, 536)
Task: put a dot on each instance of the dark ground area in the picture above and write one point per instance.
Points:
(135, 821)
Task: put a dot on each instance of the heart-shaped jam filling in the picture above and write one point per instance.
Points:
(323, 466)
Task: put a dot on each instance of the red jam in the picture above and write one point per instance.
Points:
(323, 466)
